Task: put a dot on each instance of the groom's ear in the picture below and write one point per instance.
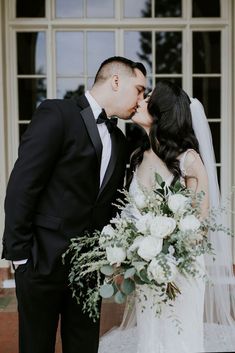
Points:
(115, 82)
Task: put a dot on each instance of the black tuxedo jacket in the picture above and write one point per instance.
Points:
(53, 193)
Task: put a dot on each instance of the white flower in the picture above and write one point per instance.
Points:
(149, 247)
(115, 255)
(188, 223)
(157, 272)
(162, 226)
(140, 200)
(108, 231)
(144, 222)
(177, 203)
(136, 243)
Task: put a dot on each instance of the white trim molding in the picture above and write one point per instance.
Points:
(3, 139)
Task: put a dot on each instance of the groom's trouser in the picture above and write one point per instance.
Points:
(42, 300)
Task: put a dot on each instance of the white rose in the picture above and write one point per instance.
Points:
(108, 231)
(136, 243)
(149, 247)
(189, 223)
(162, 226)
(144, 222)
(177, 203)
(140, 200)
(115, 255)
(156, 272)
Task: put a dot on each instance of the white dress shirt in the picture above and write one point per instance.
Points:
(104, 136)
(106, 151)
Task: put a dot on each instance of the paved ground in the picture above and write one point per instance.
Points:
(8, 321)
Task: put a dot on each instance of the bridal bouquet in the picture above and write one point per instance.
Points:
(156, 235)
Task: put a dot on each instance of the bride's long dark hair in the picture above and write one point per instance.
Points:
(171, 132)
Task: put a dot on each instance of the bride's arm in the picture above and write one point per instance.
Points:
(196, 179)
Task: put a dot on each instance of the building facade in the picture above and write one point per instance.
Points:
(53, 48)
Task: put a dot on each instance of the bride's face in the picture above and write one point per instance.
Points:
(142, 116)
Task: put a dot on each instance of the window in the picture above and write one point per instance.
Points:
(31, 74)
(57, 46)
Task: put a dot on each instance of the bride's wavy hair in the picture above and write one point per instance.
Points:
(171, 132)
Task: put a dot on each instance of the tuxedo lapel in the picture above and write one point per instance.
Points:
(93, 132)
(91, 126)
(112, 162)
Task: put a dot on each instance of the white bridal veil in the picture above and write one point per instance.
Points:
(220, 294)
(219, 308)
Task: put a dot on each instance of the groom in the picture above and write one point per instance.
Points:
(71, 164)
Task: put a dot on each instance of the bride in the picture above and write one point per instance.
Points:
(179, 147)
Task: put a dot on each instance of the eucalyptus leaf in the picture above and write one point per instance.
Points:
(165, 247)
(138, 280)
(158, 178)
(128, 286)
(107, 270)
(177, 186)
(120, 297)
(130, 272)
(106, 290)
(143, 275)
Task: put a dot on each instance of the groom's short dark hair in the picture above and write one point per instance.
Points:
(107, 68)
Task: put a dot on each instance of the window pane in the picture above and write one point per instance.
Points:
(206, 52)
(69, 53)
(215, 131)
(29, 8)
(31, 93)
(137, 8)
(100, 46)
(69, 87)
(31, 53)
(218, 175)
(168, 8)
(175, 80)
(208, 8)
(207, 90)
(149, 85)
(101, 8)
(138, 47)
(22, 129)
(69, 8)
(168, 52)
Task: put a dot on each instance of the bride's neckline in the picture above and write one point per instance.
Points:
(155, 165)
(168, 180)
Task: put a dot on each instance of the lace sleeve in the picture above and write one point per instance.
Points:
(195, 175)
(187, 163)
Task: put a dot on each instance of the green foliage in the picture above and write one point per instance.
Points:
(106, 291)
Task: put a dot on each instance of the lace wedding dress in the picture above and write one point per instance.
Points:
(148, 333)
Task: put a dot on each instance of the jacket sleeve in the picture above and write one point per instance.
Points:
(39, 151)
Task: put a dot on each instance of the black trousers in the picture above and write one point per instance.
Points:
(42, 301)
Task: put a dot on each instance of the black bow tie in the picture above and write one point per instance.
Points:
(110, 123)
